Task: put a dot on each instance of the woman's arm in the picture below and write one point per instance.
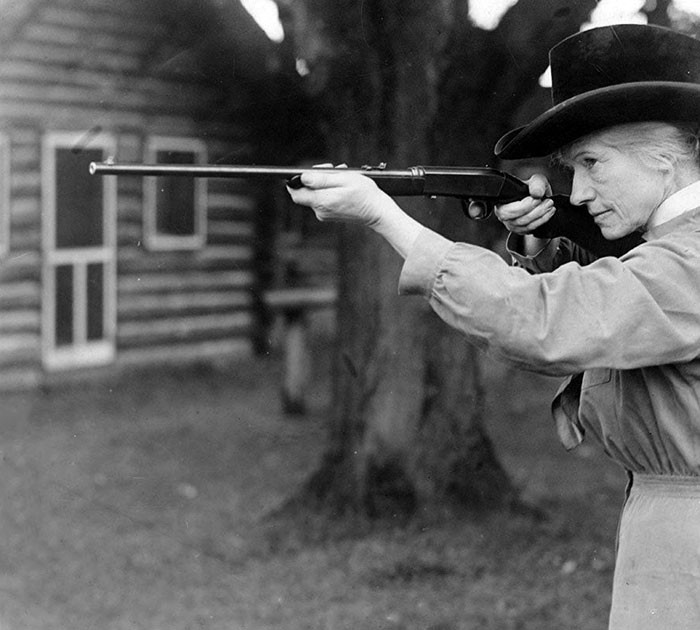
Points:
(352, 197)
(611, 313)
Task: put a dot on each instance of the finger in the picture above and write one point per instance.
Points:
(509, 211)
(324, 179)
(538, 186)
(518, 209)
(302, 196)
(324, 165)
(542, 220)
(540, 210)
(527, 227)
(312, 180)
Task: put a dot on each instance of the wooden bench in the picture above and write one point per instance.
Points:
(294, 304)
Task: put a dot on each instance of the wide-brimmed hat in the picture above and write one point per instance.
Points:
(609, 76)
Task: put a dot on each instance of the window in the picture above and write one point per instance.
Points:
(175, 207)
(4, 195)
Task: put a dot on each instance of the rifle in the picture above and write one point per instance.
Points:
(478, 190)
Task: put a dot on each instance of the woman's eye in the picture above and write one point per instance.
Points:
(589, 162)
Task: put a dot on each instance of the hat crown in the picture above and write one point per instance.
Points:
(612, 75)
(621, 54)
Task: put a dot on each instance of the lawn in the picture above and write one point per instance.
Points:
(144, 502)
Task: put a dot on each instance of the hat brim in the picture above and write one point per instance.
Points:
(598, 109)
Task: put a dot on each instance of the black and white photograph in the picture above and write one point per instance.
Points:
(349, 315)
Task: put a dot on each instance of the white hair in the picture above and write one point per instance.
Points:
(657, 144)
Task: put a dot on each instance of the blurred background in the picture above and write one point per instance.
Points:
(215, 412)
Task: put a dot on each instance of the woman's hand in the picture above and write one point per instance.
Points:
(526, 215)
(341, 196)
(344, 196)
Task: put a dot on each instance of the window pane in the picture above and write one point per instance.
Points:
(64, 305)
(95, 301)
(175, 207)
(78, 199)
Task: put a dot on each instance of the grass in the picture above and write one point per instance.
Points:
(142, 503)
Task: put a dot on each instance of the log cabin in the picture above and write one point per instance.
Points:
(112, 272)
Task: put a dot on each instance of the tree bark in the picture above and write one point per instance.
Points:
(412, 83)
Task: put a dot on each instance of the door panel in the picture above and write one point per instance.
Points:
(95, 301)
(79, 216)
(64, 305)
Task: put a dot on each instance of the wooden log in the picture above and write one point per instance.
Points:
(191, 280)
(224, 350)
(183, 330)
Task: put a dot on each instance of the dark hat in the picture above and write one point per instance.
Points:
(609, 76)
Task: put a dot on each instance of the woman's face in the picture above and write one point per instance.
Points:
(619, 190)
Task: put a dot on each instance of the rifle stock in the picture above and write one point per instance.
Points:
(479, 189)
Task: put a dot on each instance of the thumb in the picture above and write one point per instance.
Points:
(314, 179)
(539, 186)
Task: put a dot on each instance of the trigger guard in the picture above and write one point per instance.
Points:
(476, 209)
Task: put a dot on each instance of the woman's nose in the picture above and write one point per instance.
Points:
(581, 190)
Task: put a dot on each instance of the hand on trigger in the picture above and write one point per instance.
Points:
(529, 213)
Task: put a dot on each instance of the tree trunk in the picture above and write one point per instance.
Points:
(410, 83)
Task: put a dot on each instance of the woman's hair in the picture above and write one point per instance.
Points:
(657, 144)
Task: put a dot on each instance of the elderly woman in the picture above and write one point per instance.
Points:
(625, 122)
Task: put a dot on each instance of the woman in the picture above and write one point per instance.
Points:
(625, 331)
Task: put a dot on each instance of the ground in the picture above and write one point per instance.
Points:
(145, 502)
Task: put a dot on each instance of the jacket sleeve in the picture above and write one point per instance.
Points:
(635, 311)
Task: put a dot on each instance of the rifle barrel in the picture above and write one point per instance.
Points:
(400, 182)
(194, 170)
(223, 170)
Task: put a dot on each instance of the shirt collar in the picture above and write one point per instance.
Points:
(679, 202)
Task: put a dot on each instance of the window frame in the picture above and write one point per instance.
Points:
(154, 239)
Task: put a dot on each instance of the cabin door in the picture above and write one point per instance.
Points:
(79, 243)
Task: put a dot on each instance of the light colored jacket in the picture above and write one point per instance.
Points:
(628, 328)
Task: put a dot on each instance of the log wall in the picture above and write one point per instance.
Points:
(93, 66)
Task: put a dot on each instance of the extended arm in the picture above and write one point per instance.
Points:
(345, 196)
(610, 313)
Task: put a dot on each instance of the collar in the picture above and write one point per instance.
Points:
(679, 202)
(688, 221)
